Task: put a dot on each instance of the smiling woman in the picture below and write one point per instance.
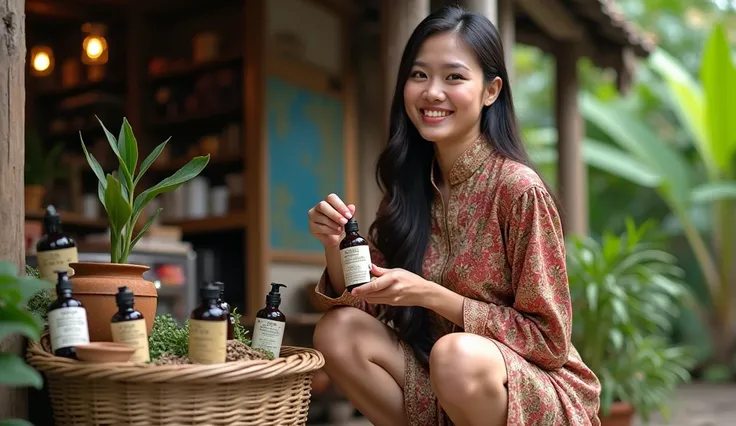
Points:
(469, 252)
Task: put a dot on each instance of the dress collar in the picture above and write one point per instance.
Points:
(468, 162)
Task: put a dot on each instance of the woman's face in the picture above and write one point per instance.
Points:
(446, 92)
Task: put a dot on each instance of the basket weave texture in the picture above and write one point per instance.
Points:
(233, 393)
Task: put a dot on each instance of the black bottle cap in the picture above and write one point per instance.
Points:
(352, 225)
(274, 297)
(125, 297)
(209, 292)
(220, 285)
(62, 281)
(51, 218)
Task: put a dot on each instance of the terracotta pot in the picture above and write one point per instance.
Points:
(33, 197)
(96, 284)
(621, 414)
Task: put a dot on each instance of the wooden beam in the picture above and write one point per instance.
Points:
(13, 401)
(571, 169)
(553, 18)
(255, 161)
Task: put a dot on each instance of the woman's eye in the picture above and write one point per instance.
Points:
(454, 77)
(418, 74)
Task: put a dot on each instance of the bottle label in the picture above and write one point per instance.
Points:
(207, 341)
(132, 333)
(56, 260)
(68, 327)
(268, 335)
(356, 265)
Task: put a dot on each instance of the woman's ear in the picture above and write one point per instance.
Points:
(491, 91)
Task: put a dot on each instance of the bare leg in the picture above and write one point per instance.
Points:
(469, 377)
(365, 361)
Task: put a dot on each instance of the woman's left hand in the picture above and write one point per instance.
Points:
(395, 287)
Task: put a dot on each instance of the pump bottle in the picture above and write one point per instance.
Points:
(268, 332)
(55, 250)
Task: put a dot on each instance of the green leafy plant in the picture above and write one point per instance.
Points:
(626, 293)
(167, 338)
(15, 319)
(40, 163)
(706, 110)
(124, 205)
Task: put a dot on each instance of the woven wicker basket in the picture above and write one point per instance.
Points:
(233, 393)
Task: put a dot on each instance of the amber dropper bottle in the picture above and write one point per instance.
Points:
(128, 326)
(355, 256)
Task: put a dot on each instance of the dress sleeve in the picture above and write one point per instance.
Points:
(539, 323)
(329, 298)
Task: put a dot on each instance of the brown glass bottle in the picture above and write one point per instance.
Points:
(208, 329)
(226, 306)
(268, 331)
(54, 250)
(355, 256)
(67, 320)
(129, 327)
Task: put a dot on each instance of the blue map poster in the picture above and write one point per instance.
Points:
(306, 160)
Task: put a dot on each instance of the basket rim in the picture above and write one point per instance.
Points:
(303, 360)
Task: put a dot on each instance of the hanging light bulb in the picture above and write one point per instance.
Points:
(94, 46)
(42, 61)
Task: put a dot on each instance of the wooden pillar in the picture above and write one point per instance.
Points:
(507, 27)
(399, 18)
(488, 8)
(13, 402)
(571, 171)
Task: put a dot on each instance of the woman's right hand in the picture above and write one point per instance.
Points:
(328, 218)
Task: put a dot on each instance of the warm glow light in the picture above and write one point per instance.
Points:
(94, 47)
(41, 62)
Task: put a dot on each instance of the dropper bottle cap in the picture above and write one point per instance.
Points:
(352, 225)
(124, 298)
(209, 292)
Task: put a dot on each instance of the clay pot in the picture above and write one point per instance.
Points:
(33, 197)
(96, 284)
(621, 414)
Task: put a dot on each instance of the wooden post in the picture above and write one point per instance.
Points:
(13, 402)
(507, 27)
(489, 8)
(571, 172)
(399, 18)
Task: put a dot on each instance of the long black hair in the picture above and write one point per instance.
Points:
(402, 226)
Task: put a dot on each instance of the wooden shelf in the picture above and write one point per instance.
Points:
(232, 221)
(71, 219)
(196, 68)
(222, 161)
(225, 112)
(102, 86)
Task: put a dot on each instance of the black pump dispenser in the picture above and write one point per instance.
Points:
(51, 220)
(273, 298)
(63, 283)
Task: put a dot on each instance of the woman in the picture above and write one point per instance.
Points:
(470, 257)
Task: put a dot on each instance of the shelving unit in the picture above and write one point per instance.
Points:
(193, 77)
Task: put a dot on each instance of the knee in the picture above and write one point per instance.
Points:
(335, 331)
(464, 366)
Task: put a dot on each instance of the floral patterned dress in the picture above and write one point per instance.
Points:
(498, 242)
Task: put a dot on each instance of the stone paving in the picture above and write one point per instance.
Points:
(700, 404)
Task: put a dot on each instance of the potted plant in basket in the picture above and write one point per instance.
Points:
(625, 292)
(95, 284)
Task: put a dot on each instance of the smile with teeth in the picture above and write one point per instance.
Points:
(436, 113)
